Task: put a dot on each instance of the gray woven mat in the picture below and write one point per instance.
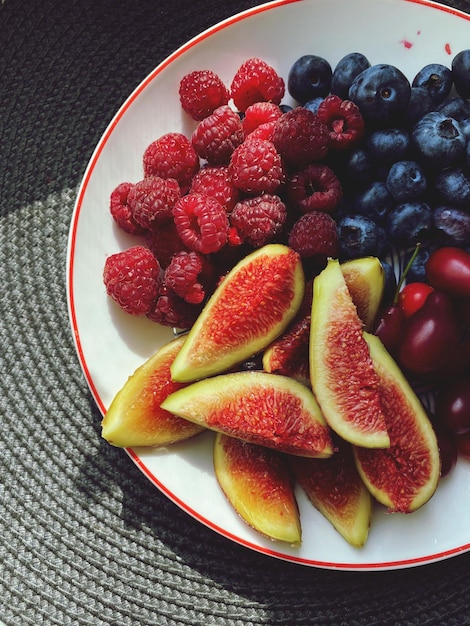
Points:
(85, 539)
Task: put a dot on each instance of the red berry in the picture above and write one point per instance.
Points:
(315, 236)
(413, 296)
(172, 156)
(258, 114)
(121, 211)
(216, 181)
(152, 199)
(259, 220)
(201, 92)
(164, 241)
(314, 188)
(344, 121)
(300, 137)
(201, 222)
(132, 279)
(256, 81)
(217, 136)
(256, 167)
(172, 310)
(182, 275)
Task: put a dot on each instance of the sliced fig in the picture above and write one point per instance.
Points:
(288, 354)
(336, 489)
(259, 485)
(365, 279)
(342, 373)
(405, 476)
(252, 306)
(135, 418)
(266, 409)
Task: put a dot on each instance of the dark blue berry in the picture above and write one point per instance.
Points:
(309, 77)
(346, 71)
(453, 186)
(419, 104)
(382, 93)
(417, 271)
(461, 73)
(436, 79)
(313, 105)
(406, 181)
(390, 282)
(388, 145)
(438, 140)
(358, 236)
(453, 225)
(359, 169)
(409, 223)
(374, 202)
(458, 108)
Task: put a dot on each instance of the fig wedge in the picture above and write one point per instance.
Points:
(266, 409)
(134, 417)
(405, 476)
(259, 485)
(342, 373)
(252, 306)
(365, 278)
(336, 489)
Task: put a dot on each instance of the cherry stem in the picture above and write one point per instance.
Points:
(405, 272)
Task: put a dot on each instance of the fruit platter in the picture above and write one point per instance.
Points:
(268, 281)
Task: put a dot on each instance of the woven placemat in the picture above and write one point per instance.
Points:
(85, 539)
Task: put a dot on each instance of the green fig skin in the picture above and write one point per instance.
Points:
(405, 476)
(252, 306)
(336, 489)
(342, 374)
(258, 407)
(365, 278)
(259, 485)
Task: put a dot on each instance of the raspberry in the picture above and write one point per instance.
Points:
(172, 310)
(152, 199)
(201, 222)
(256, 81)
(263, 131)
(314, 188)
(215, 181)
(172, 156)
(300, 137)
(256, 167)
(201, 92)
(259, 220)
(259, 113)
(190, 276)
(217, 136)
(132, 279)
(164, 242)
(344, 121)
(121, 211)
(315, 236)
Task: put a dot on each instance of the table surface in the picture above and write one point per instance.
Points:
(85, 539)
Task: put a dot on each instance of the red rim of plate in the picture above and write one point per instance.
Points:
(386, 565)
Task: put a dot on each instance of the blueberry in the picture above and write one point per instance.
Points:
(382, 93)
(346, 71)
(438, 140)
(309, 77)
(417, 271)
(419, 104)
(406, 181)
(409, 223)
(358, 236)
(453, 225)
(458, 108)
(374, 202)
(388, 145)
(313, 105)
(453, 186)
(437, 79)
(390, 283)
(359, 169)
(465, 128)
(461, 73)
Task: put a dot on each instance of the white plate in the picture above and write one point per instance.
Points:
(111, 345)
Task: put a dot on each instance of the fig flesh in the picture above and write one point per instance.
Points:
(335, 488)
(404, 476)
(134, 417)
(259, 485)
(252, 306)
(342, 373)
(258, 407)
(365, 278)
